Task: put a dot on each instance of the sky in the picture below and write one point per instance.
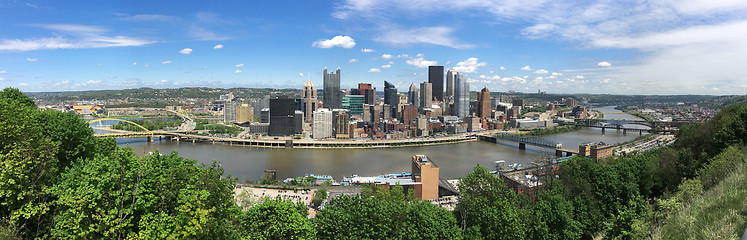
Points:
(614, 47)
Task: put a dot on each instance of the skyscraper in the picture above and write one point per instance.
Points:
(282, 116)
(483, 103)
(413, 96)
(426, 90)
(436, 77)
(322, 127)
(461, 98)
(229, 112)
(309, 98)
(450, 83)
(332, 99)
(391, 97)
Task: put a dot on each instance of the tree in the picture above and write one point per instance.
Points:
(488, 209)
(276, 219)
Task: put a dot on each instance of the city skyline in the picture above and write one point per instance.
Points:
(656, 47)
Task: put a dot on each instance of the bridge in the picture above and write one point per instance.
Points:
(655, 126)
(534, 141)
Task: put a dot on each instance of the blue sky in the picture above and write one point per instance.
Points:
(618, 47)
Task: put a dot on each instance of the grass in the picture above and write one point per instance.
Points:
(720, 213)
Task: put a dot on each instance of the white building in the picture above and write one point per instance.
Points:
(322, 126)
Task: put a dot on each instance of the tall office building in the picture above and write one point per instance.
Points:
(229, 112)
(332, 99)
(436, 77)
(353, 103)
(413, 96)
(322, 126)
(368, 92)
(260, 104)
(391, 97)
(341, 118)
(282, 116)
(244, 113)
(426, 91)
(461, 98)
(483, 103)
(309, 99)
(409, 113)
(450, 83)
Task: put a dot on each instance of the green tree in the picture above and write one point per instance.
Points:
(276, 219)
(488, 209)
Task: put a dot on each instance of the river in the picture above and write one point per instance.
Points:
(453, 160)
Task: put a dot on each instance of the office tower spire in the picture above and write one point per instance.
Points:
(449, 84)
(413, 96)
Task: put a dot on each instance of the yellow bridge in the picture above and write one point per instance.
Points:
(145, 133)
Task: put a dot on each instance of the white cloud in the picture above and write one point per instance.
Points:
(578, 77)
(146, 65)
(134, 64)
(526, 68)
(501, 68)
(337, 41)
(300, 74)
(439, 35)
(164, 81)
(390, 62)
(219, 46)
(2, 79)
(420, 62)
(604, 64)
(240, 65)
(23, 84)
(92, 82)
(403, 56)
(367, 50)
(494, 77)
(386, 66)
(71, 36)
(237, 71)
(556, 74)
(541, 71)
(374, 70)
(31, 59)
(185, 51)
(166, 62)
(386, 56)
(469, 66)
(352, 60)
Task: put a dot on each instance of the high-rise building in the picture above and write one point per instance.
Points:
(261, 103)
(413, 95)
(570, 102)
(282, 116)
(409, 114)
(369, 96)
(309, 99)
(426, 91)
(229, 112)
(483, 103)
(461, 100)
(353, 103)
(332, 99)
(450, 83)
(436, 77)
(341, 118)
(322, 126)
(518, 102)
(391, 97)
(244, 113)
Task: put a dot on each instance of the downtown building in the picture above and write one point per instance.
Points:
(322, 124)
(284, 118)
(426, 91)
(391, 98)
(461, 98)
(413, 96)
(309, 100)
(483, 104)
(436, 77)
(332, 99)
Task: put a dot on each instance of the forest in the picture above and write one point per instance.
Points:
(58, 181)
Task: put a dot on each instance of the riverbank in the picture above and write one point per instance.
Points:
(539, 132)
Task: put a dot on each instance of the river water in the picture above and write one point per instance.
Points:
(453, 160)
